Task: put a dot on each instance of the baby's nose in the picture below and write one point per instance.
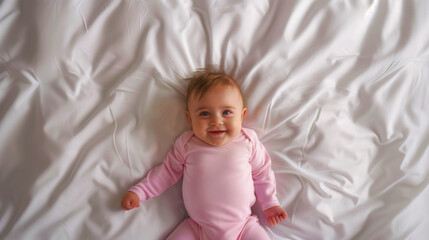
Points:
(216, 121)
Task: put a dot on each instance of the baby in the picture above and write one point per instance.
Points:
(225, 167)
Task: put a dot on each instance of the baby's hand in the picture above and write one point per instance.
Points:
(129, 201)
(275, 215)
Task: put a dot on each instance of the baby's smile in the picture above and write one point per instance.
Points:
(217, 132)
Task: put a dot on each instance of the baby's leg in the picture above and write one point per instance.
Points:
(183, 232)
(254, 231)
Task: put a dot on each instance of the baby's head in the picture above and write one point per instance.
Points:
(215, 107)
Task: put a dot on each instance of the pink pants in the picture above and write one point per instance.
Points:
(186, 231)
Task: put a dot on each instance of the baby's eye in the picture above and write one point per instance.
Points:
(204, 114)
(226, 112)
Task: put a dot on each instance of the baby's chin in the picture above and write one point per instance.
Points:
(217, 144)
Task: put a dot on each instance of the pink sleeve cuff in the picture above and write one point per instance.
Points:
(140, 194)
(267, 205)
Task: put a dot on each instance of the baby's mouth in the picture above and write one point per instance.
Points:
(217, 132)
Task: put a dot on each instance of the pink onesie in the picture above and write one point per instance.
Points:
(219, 183)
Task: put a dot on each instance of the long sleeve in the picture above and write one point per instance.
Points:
(163, 176)
(263, 176)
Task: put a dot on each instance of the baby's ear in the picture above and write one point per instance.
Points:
(243, 113)
(188, 116)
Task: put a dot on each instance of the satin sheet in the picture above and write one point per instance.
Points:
(92, 97)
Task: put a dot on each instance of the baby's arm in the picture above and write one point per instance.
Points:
(275, 215)
(129, 201)
(158, 179)
(265, 184)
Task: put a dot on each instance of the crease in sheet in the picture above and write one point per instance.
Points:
(386, 189)
(6, 81)
(125, 90)
(391, 69)
(30, 76)
(128, 152)
(83, 20)
(310, 131)
(129, 5)
(172, 86)
(266, 118)
(342, 58)
(114, 135)
(77, 89)
(272, 131)
(141, 19)
(126, 143)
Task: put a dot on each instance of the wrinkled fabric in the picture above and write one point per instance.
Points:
(92, 98)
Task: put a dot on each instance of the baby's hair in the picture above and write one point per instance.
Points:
(203, 79)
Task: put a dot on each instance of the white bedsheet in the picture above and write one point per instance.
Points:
(92, 97)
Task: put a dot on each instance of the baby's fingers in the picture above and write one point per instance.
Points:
(125, 205)
(277, 219)
(135, 205)
(128, 205)
(271, 221)
(274, 220)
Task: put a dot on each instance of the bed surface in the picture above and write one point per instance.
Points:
(92, 97)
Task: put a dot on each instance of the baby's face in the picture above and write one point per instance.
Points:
(216, 118)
